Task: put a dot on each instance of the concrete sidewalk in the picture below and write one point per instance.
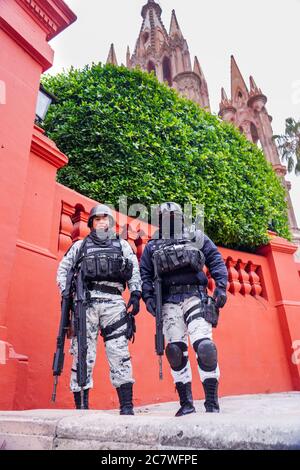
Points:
(245, 422)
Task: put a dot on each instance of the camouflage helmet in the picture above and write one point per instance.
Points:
(100, 209)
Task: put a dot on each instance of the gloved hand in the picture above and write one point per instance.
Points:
(150, 305)
(219, 297)
(134, 301)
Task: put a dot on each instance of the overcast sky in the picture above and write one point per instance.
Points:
(263, 35)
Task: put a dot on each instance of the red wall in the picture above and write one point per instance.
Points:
(39, 220)
(254, 353)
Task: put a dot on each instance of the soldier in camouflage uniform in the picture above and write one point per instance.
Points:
(106, 310)
(187, 310)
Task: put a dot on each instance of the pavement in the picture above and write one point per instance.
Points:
(249, 422)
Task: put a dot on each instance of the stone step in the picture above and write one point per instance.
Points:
(245, 422)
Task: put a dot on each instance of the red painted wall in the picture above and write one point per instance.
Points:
(39, 220)
(254, 354)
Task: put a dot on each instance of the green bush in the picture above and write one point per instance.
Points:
(127, 134)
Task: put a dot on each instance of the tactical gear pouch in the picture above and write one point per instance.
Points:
(102, 268)
(195, 257)
(89, 268)
(106, 268)
(211, 312)
(126, 269)
(171, 258)
(115, 264)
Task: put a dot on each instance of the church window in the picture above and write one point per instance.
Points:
(167, 75)
(146, 37)
(151, 67)
(254, 133)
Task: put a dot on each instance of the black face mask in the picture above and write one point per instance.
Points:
(171, 226)
(99, 236)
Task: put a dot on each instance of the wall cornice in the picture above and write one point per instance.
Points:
(52, 15)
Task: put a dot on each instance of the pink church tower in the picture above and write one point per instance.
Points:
(167, 55)
(246, 109)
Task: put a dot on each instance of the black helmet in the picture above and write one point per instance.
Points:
(170, 207)
(101, 209)
(170, 220)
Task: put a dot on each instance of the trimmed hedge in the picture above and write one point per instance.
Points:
(127, 134)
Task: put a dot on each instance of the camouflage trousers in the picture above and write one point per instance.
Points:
(178, 328)
(101, 313)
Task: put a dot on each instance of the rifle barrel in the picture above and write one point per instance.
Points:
(54, 389)
(160, 368)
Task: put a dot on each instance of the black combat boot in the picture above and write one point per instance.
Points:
(186, 399)
(77, 399)
(125, 399)
(211, 396)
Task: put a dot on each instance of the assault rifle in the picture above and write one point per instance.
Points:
(159, 336)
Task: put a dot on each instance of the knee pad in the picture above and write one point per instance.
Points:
(175, 355)
(207, 355)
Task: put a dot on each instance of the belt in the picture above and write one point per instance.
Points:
(183, 289)
(105, 289)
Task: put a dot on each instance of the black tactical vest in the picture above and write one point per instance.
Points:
(103, 260)
(179, 262)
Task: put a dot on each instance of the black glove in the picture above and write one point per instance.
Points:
(219, 297)
(150, 305)
(131, 328)
(134, 301)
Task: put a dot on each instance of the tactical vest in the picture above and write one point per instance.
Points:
(104, 261)
(178, 261)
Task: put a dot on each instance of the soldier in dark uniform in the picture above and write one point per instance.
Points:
(187, 309)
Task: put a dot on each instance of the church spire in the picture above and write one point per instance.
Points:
(128, 60)
(239, 90)
(257, 100)
(227, 110)
(174, 26)
(253, 85)
(152, 34)
(224, 96)
(151, 4)
(203, 90)
(197, 67)
(167, 55)
(112, 58)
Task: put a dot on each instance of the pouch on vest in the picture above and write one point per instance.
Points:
(173, 257)
(89, 268)
(126, 269)
(102, 267)
(106, 267)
